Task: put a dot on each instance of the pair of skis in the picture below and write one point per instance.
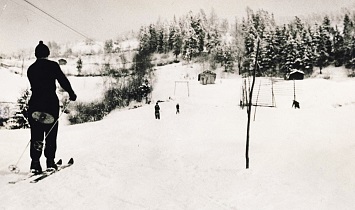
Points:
(45, 174)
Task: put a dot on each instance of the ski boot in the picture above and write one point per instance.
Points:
(35, 167)
(51, 165)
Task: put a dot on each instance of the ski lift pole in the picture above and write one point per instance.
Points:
(294, 90)
(14, 168)
(257, 99)
(249, 106)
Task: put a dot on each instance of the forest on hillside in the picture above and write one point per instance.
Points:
(298, 44)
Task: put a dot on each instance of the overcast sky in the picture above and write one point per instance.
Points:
(22, 26)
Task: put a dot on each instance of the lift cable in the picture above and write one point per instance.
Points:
(51, 16)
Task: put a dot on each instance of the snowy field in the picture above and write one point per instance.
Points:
(299, 159)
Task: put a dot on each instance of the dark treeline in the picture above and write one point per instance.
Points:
(296, 44)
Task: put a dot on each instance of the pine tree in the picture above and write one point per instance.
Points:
(212, 34)
(190, 42)
(197, 35)
(153, 40)
(249, 44)
(326, 39)
(267, 55)
(172, 32)
(177, 42)
(79, 66)
(20, 117)
(348, 34)
(348, 28)
(108, 47)
(160, 40)
(239, 46)
(308, 55)
(144, 41)
(166, 32)
(338, 49)
(279, 43)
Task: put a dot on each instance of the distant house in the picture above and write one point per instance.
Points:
(295, 75)
(62, 62)
(207, 77)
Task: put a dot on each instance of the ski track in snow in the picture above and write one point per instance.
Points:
(299, 159)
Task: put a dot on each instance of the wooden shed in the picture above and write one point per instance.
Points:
(207, 77)
(295, 75)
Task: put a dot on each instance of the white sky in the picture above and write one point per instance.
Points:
(22, 26)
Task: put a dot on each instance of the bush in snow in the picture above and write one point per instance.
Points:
(20, 118)
(87, 112)
(114, 97)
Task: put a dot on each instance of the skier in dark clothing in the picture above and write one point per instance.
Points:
(177, 108)
(42, 75)
(157, 111)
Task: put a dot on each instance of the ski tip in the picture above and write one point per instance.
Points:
(71, 161)
(59, 162)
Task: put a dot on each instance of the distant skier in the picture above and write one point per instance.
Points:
(157, 111)
(177, 108)
(296, 104)
(42, 75)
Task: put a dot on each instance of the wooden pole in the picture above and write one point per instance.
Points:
(257, 99)
(245, 92)
(175, 88)
(294, 90)
(250, 104)
(188, 89)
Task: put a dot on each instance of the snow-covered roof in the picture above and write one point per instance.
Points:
(296, 71)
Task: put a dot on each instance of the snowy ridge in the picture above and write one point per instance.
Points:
(299, 159)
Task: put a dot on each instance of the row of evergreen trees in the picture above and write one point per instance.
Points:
(296, 44)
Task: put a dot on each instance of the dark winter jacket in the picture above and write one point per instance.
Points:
(42, 75)
(157, 108)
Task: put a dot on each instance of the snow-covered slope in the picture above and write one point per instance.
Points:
(299, 159)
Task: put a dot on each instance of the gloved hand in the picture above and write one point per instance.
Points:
(72, 96)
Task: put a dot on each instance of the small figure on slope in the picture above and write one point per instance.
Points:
(42, 75)
(296, 104)
(157, 111)
(177, 108)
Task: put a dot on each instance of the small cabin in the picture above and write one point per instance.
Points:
(295, 75)
(207, 77)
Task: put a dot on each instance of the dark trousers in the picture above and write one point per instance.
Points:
(157, 115)
(40, 130)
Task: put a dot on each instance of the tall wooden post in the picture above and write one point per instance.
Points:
(250, 104)
(294, 90)
(188, 89)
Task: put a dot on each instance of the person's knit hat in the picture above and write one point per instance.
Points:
(41, 51)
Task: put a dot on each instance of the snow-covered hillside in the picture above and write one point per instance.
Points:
(299, 158)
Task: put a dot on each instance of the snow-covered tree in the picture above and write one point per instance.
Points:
(108, 47)
(176, 42)
(20, 118)
(349, 41)
(338, 47)
(144, 40)
(153, 43)
(194, 36)
(79, 65)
